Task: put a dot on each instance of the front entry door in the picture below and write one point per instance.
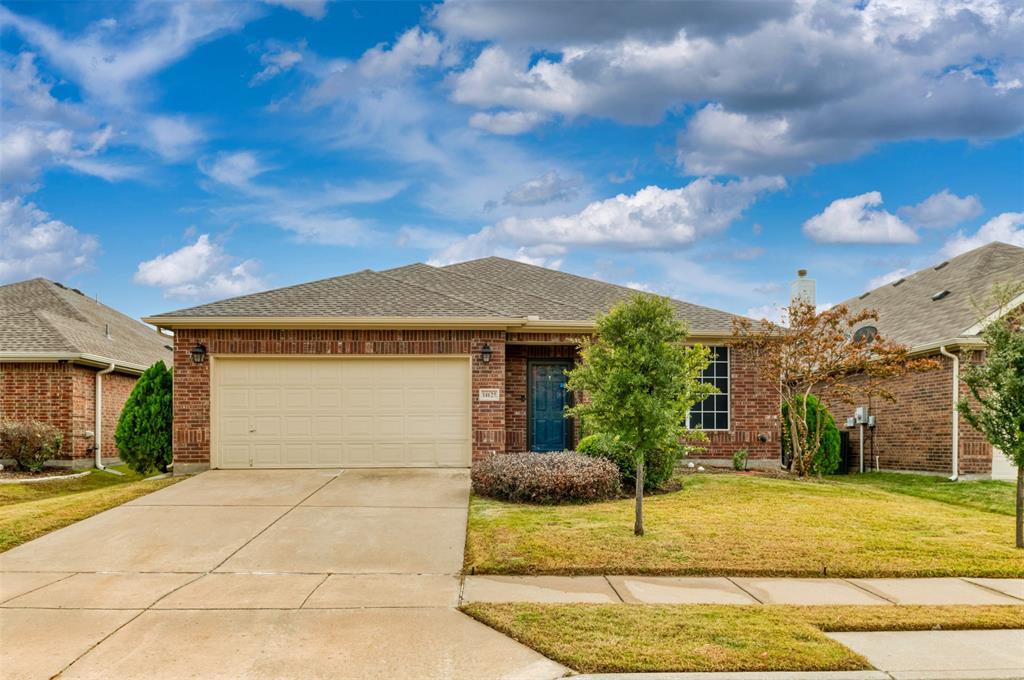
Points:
(549, 428)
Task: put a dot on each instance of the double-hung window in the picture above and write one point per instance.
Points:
(713, 412)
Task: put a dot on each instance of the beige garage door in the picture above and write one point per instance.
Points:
(332, 412)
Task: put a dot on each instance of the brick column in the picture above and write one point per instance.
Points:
(488, 416)
(191, 436)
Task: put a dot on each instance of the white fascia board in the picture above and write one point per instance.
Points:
(76, 358)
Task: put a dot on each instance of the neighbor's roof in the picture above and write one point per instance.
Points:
(914, 311)
(491, 290)
(43, 319)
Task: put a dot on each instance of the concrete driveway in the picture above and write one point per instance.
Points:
(258, 574)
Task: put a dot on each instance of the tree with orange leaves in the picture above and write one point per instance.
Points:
(817, 352)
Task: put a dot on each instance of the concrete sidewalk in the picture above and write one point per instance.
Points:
(745, 590)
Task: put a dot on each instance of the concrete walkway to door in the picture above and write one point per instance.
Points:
(255, 574)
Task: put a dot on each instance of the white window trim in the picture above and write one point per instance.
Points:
(728, 396)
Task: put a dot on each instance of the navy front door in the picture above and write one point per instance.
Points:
(549, 428)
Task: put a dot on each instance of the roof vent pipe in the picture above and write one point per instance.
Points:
(803, 289)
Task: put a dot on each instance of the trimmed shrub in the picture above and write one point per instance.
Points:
(826, 460)
(658, 468)
(545, 477)
(739, 460)
(143, 433)
(31, 444)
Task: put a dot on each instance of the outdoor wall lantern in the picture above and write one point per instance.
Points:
(198, 354)
(485, 354)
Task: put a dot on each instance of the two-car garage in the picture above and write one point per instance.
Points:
(353, 411)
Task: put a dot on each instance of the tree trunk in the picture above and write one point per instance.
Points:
(1020, 506)
(638, 526)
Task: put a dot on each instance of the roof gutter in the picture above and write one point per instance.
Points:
(85, 359)
(516, 324)
(951, 343)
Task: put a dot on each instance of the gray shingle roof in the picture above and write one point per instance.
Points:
(39, 315)
(491, 287)
(908, 314)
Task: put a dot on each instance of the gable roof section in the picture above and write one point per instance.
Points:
(908, 314)
(489, 291)
(41, 318)
(587, 295)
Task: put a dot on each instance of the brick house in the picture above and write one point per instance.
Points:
(61, 353)
(415, 366)
(936, 313)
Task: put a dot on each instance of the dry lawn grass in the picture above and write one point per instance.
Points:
(28, 511)
(623, 638)
(745, 525)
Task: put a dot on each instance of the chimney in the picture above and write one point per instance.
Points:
(802, 289)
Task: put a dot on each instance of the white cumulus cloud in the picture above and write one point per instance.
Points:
(201, 270)
(506, 122)
(888, 277)
(858, 219)
(942, 210)
(33, 243)
(1007, 227)
(652, 218)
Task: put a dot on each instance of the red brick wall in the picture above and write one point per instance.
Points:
(192, 381)
(64, 395)
(117, 387)
(915, 432)
(40, 392)
(753, 411)
(497, 426)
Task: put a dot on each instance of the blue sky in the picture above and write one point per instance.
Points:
(163, 154)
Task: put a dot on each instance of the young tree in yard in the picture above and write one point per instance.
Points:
(817, 353)
(143, 434)
(640, 380)
(997, 386)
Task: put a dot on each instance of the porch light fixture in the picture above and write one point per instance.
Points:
(198, 354)
(485, 354)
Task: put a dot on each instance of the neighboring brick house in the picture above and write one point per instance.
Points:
(56, 345)
(934, 310)
(415, 366)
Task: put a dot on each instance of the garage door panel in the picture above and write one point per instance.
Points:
(298, 426)
(267, 426)
(266, 455)
(359, 412)
(389, 455)
(328, 427)
(359, 454)
(388, 427)
(235, 426)
(235, 455)
(235, 398)
(266, 398)
(298, 455)
(328, 455)
(327, 398)
(388, 399)
(233, 373)
(357, 399)
(298, 398)
(452, 428)
(358, 427)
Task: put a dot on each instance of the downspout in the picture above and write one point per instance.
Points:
(956, 413)
(98, 429)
